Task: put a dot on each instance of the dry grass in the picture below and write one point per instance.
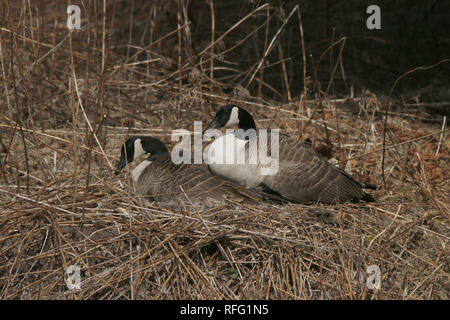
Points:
(61, 205)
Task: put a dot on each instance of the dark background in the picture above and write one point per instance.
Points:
(413, 34)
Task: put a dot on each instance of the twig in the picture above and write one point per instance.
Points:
(213, 30)
(270, 46)
(441, 138)
(304, 96)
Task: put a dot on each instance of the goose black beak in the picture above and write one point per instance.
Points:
(213, 125)
(122, 163)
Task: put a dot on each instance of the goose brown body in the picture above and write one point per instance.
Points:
(159, 179)
(303, 175)
(162, 180)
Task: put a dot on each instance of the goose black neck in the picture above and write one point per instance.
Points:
(153, 146)
(245, 120)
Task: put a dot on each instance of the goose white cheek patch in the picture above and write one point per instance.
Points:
(138, 150)
(234, 118)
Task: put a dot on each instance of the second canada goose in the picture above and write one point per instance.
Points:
(303, 175)
(158, 178)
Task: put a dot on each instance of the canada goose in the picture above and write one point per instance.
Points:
(303, 175)
(158, 178)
